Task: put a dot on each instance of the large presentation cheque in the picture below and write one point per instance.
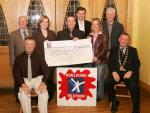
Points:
(60, 53)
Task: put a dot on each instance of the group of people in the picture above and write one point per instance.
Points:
(110, 47)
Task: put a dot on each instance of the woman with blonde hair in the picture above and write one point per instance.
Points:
(100, 47)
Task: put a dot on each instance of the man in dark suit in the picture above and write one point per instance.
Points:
(16, 44)
(71, 33)
(112, 27)
(123, 66)
(81, 23)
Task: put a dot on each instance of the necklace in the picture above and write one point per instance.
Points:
(124, 59)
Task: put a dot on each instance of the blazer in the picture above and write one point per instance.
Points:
(16, 44)
(39, 38)
(64, 35)
(132, 63)
(87, 26)
(117, 29)
(100, 48)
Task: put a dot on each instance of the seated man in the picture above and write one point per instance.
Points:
(31, 71)
(124, 65)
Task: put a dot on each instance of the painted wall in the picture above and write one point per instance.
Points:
(141, 36)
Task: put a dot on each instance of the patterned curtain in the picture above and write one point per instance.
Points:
(35, 11)
(4, 35)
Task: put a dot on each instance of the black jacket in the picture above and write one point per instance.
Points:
(132, 63)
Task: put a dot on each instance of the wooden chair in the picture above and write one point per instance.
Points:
(124, 92)
(33, 105)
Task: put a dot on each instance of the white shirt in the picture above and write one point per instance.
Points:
(81, 25)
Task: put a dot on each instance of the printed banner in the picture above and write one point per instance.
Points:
(76, 86)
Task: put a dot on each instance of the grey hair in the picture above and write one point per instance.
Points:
(111, 9)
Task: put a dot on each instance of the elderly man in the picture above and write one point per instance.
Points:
(123, 66)
(30, 71)
(81, 23)
(112, 27)
(71, 33)
(16, 44)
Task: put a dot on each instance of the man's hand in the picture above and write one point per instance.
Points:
(116, 76)
(94, 59)
(42, 87)
(128, 75)
(75, 38)
(25, 88)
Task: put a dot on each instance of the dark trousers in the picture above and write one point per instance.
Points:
(133, 86)
(16, 90)
(50, 83)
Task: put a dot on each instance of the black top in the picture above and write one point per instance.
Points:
(64, 35)
(38, 64)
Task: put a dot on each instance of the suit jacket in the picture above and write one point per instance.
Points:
(87, 26)
(132, 63)
(38, 65)
(16, 44)
(39, 38)
(117, 29)
(64, 35)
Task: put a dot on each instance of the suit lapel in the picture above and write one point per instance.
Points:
(113, 28)
(85, 26)
(77, 25)
(106, 27)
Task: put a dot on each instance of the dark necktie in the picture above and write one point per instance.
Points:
(25, 34)
(70, 34)
(29, 68)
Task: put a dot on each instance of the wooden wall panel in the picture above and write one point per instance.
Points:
(6, 78)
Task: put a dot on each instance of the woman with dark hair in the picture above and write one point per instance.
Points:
(100, 47)
(41, 35)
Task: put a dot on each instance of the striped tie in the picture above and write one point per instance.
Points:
(25, 34)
